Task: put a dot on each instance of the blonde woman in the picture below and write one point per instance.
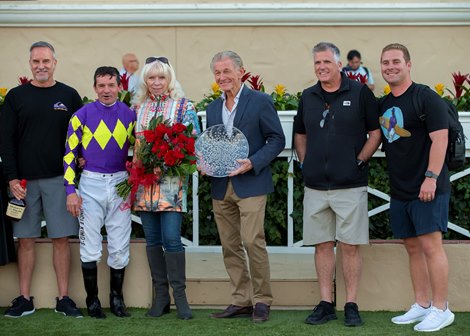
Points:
(161, 205)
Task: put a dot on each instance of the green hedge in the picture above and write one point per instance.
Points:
(276, 209)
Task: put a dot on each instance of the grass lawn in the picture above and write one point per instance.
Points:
(282, 323)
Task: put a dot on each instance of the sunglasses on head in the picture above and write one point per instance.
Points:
(152, 59)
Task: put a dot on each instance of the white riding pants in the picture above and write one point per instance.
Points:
(102, 206)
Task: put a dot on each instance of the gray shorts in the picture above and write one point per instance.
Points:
(331, 215)
(46, 199)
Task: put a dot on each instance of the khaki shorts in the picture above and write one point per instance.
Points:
(331, 215)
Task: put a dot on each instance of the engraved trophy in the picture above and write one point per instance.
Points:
(218, 149)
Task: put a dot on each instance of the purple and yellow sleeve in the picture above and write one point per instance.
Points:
(74, 138)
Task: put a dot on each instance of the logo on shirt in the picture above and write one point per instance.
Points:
(59, 106)
(391, 123)
(346, 103)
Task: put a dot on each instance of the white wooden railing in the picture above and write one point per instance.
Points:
(287, 124)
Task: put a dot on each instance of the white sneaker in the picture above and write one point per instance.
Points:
(415, 314)
(436, 320)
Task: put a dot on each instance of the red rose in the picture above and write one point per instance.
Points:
(175, 141)
(178, 128)
(182, 138)
(178, 154)
(155, 149)
(149, 136)
(163, 148)
(160, 130)
(189, 146)
(170, 159)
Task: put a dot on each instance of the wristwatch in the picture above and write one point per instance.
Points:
(430, 174)
(360, 164)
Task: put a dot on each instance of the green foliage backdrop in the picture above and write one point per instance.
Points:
(276, 209)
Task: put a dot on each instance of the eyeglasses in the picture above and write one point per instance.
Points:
(324, 120)
(152, 59)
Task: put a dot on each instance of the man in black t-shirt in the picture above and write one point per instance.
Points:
(33, 128)
(336, 132)
(420, 187)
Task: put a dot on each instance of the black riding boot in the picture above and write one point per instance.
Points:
(157, 264)
(116, 300)
(90, 279)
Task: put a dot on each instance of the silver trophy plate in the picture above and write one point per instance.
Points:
(217, 150)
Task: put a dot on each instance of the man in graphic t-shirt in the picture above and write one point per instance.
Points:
(420, 188)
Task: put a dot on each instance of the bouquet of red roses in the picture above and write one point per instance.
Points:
(166, 149)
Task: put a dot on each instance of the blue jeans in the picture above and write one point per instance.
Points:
(163, 228)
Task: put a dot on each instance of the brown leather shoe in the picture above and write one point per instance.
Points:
(234, 311)
(261, 312)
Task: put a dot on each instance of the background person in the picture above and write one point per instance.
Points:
(33, 128)
(239, 201)
(161, 205)
(355, 66)
(336, 132)
(130, 65)
(420, 187)
(101, 133)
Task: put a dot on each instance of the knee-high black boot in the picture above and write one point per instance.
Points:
(90, 280)
(176, 267)
(116, 300)
(161, 299)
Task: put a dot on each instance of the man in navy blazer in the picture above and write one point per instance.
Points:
(239, 200)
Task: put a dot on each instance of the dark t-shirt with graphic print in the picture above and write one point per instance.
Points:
(407, 143)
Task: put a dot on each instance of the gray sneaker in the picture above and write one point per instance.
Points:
(20, 307)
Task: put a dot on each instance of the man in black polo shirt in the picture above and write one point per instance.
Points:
(336, 132)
